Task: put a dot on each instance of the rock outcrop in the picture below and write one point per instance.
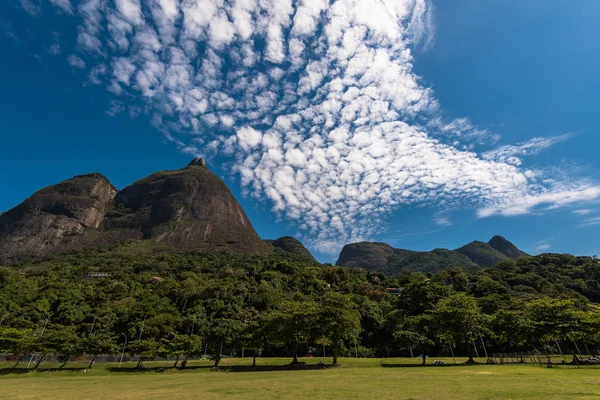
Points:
(189, 208)
(54, 218)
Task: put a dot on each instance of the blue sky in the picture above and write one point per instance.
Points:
(422, 124)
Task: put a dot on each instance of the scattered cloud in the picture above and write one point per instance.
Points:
(32, 7)
(316, 105)
(8, 31)
(63, 6)
(542, 247)
(441, 220)
(512, 154)
(76, 62)
(54, 49)
(582, 212)
(590, 222)
(552, 198)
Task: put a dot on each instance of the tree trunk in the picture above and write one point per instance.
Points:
(254, 360)
(65, 363)
(334, 354)
(424, 358)
(92, 362)
(39, 361)
(139, 365)
(217, 361)
(176, 361)
(295, 360)
(18, 362)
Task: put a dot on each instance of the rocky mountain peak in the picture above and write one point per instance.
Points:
(199, 162)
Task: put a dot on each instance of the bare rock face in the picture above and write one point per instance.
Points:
(41, 224)
(199, 162)
(188, 208)
(185, 209)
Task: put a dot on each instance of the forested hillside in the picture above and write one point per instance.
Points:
(183, 303)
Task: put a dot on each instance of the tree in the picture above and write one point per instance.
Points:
(181, 345)
(458, 319)
(145, 348)
(339, 321)
(293, 322)
(415, 331)
(224, 331)
(101, 342)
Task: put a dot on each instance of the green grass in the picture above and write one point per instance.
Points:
(354, 379)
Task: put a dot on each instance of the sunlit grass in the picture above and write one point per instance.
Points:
(354, 379)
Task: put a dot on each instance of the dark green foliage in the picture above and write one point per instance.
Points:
(180, 303)
(471, 257)
(292, 245)
(505, 247)
(482, 254)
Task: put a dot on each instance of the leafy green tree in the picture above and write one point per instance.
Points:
(181, 345)
(224, 331)
(101, 342)
(145, 348)
(295, 322)
(338, 320)
(459, 319)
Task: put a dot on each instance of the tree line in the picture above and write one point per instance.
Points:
(188, 304)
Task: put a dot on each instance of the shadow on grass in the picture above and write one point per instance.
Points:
(157, 369)
(270, 368)
(22, 371)
(464, 364)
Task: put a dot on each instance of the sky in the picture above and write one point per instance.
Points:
(419, 123)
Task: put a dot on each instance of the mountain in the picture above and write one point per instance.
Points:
(190, 208)
(482, 254)
(294, 246)
(505, 247)
(367, 255)
(52, 218)
(382, 257)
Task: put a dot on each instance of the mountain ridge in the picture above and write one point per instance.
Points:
(188, 208)
(378, 256)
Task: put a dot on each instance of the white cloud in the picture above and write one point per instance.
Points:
(63, 5)
(513, 153)
(582, 212)
(317, 104)
(442, 220)
(32, 7)
(76, 62)
(590, 222)
(543, 247)
(552, 198)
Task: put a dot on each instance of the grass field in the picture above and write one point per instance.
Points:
(354, 379)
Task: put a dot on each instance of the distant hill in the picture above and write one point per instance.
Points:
(189, 208)
(505, 247)
(482, 254)
(382, 257)
(294, 246)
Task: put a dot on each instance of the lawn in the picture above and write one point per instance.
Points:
(354, 379)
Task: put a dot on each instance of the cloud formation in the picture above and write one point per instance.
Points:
(315, 102)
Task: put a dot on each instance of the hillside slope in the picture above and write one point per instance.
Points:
(189, 208)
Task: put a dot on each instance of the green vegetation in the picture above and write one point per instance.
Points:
(356, 379)
(184, 304)
(482, 254)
